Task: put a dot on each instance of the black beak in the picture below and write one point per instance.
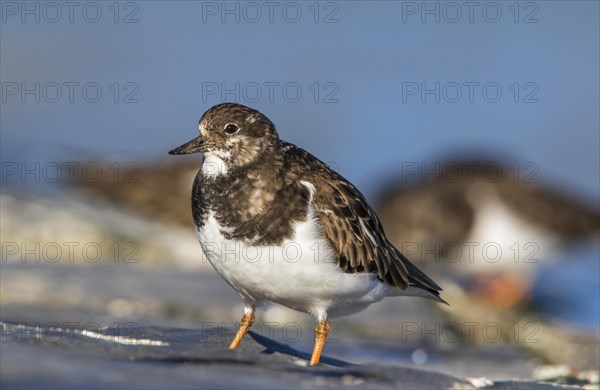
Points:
(194, 146)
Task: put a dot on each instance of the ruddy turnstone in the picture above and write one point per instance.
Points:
(279, 225)
(487, 224)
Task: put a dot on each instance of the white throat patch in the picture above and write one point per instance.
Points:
(214, 164)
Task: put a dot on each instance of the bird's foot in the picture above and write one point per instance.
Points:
(245, 324)
(321, 332)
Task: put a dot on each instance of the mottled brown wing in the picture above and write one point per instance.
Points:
(350, 224)
(356, 234)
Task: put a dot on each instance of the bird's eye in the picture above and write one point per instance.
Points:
(231, 128)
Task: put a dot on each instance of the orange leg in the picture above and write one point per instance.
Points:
(321, 333)
(245, 324)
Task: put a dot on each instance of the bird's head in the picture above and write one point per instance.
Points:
(231, 135)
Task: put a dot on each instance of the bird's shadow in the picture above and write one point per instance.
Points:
(272, 346)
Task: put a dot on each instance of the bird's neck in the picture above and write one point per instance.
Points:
(246, 191)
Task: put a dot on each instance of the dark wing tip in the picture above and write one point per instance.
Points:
(433, 295)
(419, 279)
(416, 277)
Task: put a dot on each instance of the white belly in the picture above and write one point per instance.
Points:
(301, 274)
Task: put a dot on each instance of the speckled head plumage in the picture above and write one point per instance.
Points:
(236, 134)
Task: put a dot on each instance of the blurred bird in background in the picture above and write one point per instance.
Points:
(485, 225)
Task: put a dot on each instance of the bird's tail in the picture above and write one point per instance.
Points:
(419, 284)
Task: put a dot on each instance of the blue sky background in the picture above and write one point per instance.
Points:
(370, 50)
